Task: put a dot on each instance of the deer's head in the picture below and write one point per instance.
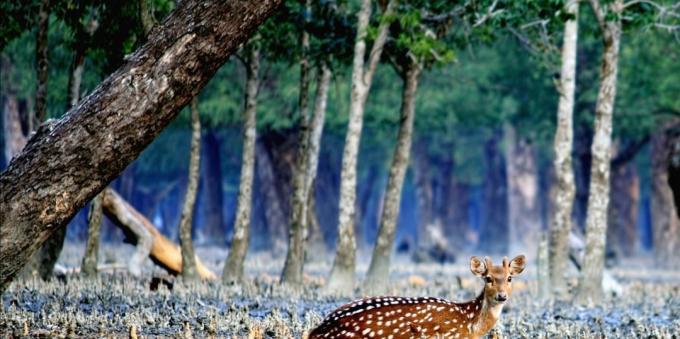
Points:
(497, 279)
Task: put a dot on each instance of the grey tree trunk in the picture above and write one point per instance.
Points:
(233, 267)
(41, 49)
(316, 241)
(494, 236)
(523, 209)
(666, 225)
(307, 163)
(88, 268)
(211, 198)
(564, 189)
(297, 228)
(590, 283)
(189, 271)
(378, 271)
(424, 194)
(151, 87)
(341, 278)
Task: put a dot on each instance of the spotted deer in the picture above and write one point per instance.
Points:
(400, 317)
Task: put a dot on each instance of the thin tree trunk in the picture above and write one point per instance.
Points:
(151, 87)
(94, 219)
(665, 222)
(316, 241)
(564, 189)
(41, 49)
(342, 274)
(189, 271)
(274, 211)
(233, 267)
(590, 284)
(378, 272)
(297, 232)
(308, 159)
(146, 15)
(523, 212)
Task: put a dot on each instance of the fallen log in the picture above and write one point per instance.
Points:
(149, 241)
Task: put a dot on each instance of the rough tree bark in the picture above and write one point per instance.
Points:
(523, 212)
(590, 283)
(88, 268)
(149, 241)
(666, 225)
(316, 240)
(379, 269)
(70, 160)
(233, 267)
(41, 49)
(297, 227)
(564, 187)
(302, 210)
(189, 271)
(341, 278)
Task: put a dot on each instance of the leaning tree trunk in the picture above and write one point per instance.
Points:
(560, 225)
(233, 267)
(590, 284)
(665, 221)
(297, 231)
(78, 155)
(378, 271)
(189, 271)
(88, 268)
(342, 274)
(316, 240)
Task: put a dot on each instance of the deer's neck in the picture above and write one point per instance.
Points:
(487, 316)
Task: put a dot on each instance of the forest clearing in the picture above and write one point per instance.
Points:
(340, 169)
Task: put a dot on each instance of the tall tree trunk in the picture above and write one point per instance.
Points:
(297, 232)
(316, 240)
(274, 209)
(379, 269)
(523, 210)
(89, 265)
(211, 197)
(494, 235)
(590, 284)
(342, 274)
(665, 222)
(622, 232)
(151, 87)
(233, 267)
(189, 271)
(564, 188)
(307, 163)
(41, 49)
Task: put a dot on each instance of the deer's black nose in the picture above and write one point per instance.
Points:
(501, 297)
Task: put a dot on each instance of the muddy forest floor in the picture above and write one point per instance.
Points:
(114, 303)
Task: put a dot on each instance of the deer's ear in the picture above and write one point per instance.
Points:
(477, 266)
(517, 265)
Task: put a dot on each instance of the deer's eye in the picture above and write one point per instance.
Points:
(488, 280)
(509, 278)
